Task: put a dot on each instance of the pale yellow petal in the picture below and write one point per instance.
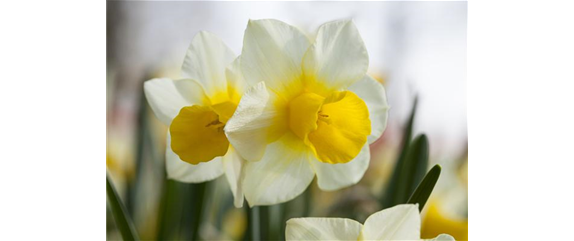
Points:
(322, 229)
(166, 97)
(401, 222)
(233, 165)
(273, 52)
(331, 177)
(260, 119)
(236, 84)
(281, 175)
(338, 58)
(206, 60)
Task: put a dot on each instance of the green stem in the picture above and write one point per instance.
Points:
(255, 226)
(278, 216)
(264, 222)
(284, 211)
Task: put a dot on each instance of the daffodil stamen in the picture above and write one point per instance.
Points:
(215, 122)
(323, 115)
(324, 118)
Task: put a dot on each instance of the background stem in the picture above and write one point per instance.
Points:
(255, 226)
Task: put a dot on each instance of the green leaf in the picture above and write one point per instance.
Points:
(387, 199)
(123, 221)
(413, 168)
(408, 172)
(424, 189)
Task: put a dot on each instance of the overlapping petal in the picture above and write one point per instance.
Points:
(260, 118)
(282, 174)
(235, 81)
(322, 229)
(166, 97)
(232, 164)
(373, 94)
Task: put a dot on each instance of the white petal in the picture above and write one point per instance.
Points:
(165, 98)
(235, 76)
(373, 93)
(185, 172)
(442, 237)
(206, 60)
(281, 175)
(192, 91)
(331, 177)
(256, 122)
(272, 52)
(322, 229)
(401, 222)
(338, 58)
(232, 164)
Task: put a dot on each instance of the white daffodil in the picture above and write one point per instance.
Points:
(401, 222)
(311, 110)
(196, 109)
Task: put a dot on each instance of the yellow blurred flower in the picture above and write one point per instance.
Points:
(436, 221)
(235, 223)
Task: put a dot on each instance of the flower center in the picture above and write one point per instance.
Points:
(303, 114)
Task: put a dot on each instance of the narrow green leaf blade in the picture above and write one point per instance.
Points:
(388, 199)
(413, 169)
(123, 222)
(418, 159)
(424, 189)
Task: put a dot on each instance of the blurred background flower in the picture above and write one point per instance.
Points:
(415, 48)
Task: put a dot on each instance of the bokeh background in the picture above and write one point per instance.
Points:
(415, 49)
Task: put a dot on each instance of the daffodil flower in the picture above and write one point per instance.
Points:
(196, 109)
(311, 110)
(401, 222)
